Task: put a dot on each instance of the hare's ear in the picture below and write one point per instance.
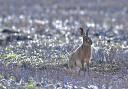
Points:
(82, 31)
(87, 32)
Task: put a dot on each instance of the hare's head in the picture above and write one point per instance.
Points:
(86, 39)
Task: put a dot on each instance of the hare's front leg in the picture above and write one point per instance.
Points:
(87, 64)
(82, 67)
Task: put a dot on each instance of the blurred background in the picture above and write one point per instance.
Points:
(37, 33)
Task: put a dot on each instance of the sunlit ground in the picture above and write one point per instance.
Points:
(36, 38)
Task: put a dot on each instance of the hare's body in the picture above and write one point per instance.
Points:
(81, 56)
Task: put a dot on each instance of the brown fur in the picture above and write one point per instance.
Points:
(81, 56)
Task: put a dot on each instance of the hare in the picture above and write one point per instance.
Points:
(81, 56)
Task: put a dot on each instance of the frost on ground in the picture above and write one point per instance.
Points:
(37, 36)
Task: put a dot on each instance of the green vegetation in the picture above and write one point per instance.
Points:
(1, 76)
(9, 56)
(31, 85)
